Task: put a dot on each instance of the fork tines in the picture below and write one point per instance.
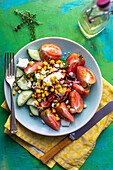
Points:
(10, 64)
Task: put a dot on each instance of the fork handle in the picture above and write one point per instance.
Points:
(13, 125)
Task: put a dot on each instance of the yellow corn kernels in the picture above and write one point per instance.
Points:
(30, 63)
(14, 92)
(52, 62)
(16, 88)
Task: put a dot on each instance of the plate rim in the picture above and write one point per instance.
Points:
(100, 75)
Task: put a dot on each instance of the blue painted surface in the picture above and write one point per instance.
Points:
(71, 5)
(8, 3)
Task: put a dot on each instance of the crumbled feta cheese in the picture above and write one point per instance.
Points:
(55, 69)
(71, 74)
(46, 88)
(64, 123)
(57, 74)
(19, 91)
(57, 65)
(62, 81)
(72, 110)
(53, 104)
(22, 63)
(67, 101)
(37, 76)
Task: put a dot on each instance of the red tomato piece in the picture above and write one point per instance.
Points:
(45, 104)
(82, 91)
(52, 97)
(63, 111)
(85, 76)
(31, 69)
(50, 52)
(76, 101)
(50, 119)
(74, 60)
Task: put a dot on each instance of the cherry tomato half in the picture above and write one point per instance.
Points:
(63, 111)
(82, 91)
(74, 60)
(31, 69)
(50, 119)
(85, 76)
(50, 52)
(76, 101)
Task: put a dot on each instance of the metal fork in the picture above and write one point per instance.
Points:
(10, 78)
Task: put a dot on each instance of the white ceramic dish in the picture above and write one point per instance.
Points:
(92, 101)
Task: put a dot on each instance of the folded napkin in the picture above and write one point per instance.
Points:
(74, 155)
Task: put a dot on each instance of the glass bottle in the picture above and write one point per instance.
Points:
(94, 17)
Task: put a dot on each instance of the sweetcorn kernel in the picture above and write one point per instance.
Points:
(55, 101)
(45, 63)
(48, 84)
(39, 67)
(38, 91)
(52, 70)
(36, 102)
(57, 104)
(43, 95)
(33, 95)
(41, 91)
(44, 83)
(38, 83)
(14, 92)
(57, 118)
(39, 95)
(41, 77)
(68, 106)
(17, 88)
(48, 67)
(31, 114)
(52, 89)
(46, 93)
(58, 86)
(45, 68)
(39, 87)
(52, 61)
(44, 99)
(63, 71)
(53, 110)
(58, 61)
(31, 79)
(55, 78)
(42, 87)
(39, 100)
(30, 63)
(62, 91)
(56, 92)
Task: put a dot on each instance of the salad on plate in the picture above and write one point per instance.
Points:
(54, 89)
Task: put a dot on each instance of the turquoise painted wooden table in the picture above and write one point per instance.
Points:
(58, 18)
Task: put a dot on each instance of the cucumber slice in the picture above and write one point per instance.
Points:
(34, 110)
(23, 97)
(19, 73)
(34, 54)
(30, 102)
(63, 64)
(23, 83)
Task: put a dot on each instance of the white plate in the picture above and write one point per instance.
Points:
(92, 101)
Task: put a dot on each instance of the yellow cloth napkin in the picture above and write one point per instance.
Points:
(74, 155)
